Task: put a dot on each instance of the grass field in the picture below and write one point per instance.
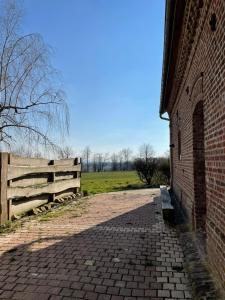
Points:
(104, 182)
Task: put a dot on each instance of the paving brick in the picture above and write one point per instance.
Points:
(66, 292)
(116, 276)
(108, 282)
(100, 289)
(117, 298)
(78, 294)
(6, 295)
(181, 287)
(91, 296)
(30, 296)
(88, 287)
(19, 287)
(116, 251)
(177, 294)
(162, 279)
(113, 290)
(150, 293)
(125, 292)
(169, 286)
(30, 288)
(132, 285)
(164, 293)
(8, 286)
(104, 297)
(138, 292)
(120, 284)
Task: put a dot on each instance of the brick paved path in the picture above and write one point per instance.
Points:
(119, 249)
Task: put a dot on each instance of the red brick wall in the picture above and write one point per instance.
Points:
(203, 80)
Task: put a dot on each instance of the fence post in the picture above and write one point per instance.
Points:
(4, 213)
(52, 162)
(80, 172)
(9, 183)
(76, 162)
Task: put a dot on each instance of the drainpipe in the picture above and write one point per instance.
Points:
(163, 118)
(171, 155)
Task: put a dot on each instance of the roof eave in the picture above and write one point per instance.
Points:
(173, 21)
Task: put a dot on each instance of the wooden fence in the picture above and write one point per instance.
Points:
(27, 183)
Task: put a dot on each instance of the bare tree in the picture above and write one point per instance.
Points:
(126, 156)
(120, 158)
(25, 151)
(31, 102)
(94, 163)
(114, 162)
(105, 159)
(65, 152)
(146, 151)
(86, 157)
(99, 162)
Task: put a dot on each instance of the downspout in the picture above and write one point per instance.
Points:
(163, 118)
(171, 154)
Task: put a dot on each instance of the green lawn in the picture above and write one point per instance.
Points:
(103, 182)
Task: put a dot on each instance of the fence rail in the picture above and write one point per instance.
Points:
(26, 183)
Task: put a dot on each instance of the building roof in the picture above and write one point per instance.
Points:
(173, 24)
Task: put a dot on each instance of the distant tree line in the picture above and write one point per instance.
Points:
(147, 165)
(100, 162)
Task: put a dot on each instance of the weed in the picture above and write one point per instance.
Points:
(77, 209)
(8, 227)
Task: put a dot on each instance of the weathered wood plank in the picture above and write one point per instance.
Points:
(3, 188)
(64, 162)
(50, 188)
(18, 171)
(65, 194)
(63, 176)
(28, 180)
(53, 180)
(25, 206)
(17, 160)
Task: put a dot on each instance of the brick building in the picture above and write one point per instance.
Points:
(193, 95)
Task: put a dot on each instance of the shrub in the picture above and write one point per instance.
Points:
(145, 169)
(164, 168)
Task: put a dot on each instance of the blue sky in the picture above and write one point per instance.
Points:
(109, 53)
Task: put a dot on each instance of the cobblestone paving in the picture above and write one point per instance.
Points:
(119, 250)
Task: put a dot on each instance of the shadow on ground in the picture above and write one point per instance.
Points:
(132, 255)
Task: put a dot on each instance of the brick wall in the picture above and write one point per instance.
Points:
(199, 172)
